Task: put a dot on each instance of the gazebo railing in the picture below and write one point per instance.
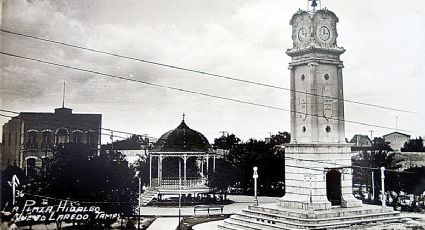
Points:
(173, 182)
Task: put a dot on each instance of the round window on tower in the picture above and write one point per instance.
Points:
(302, 77)
(304, 129)
(328, 129)
(326, 76)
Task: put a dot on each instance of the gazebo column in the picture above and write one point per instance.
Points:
(184, 169)
(202, 167)
(214, 163)
(150, 170)
(208, 156)
(159, 170)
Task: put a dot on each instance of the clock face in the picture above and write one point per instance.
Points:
(324, 33)
(302, 34)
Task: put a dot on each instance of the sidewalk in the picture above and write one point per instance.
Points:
(165, 223)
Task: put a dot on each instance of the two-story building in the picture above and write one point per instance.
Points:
(31, 136)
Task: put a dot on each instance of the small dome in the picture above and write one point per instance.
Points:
(182, 139)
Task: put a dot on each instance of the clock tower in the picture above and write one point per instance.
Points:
(318, 172)
(318, 160)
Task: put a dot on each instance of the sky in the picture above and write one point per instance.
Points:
(246, 39)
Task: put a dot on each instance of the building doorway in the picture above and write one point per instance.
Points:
(333, 186)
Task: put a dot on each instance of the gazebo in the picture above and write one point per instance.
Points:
(182, 143)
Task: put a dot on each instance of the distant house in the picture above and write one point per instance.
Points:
(396, 140)
(360, 142)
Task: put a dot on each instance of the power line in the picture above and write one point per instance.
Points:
(346, 166)
(200, 72)
(188, 91)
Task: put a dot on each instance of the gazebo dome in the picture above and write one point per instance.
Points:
(182, 139)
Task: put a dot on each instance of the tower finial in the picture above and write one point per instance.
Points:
(183, 116)
(313, 6)
(63, 95)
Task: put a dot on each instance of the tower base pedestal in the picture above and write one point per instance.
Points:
(274, 216)
(292, 201)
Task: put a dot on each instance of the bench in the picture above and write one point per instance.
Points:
(208, 208)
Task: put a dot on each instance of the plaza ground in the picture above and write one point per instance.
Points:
(167, 218)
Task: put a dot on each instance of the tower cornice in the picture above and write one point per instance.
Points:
(299, 52)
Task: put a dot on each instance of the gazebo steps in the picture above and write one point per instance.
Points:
(258, 217)
(148, 195)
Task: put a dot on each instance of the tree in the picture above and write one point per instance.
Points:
(280, 138)
(414, 145)
(243, 156)
(225, 175)
(261, 154)
(76, 173)
(226, 142)
(373, 160)
(134, 142)
(413, 182)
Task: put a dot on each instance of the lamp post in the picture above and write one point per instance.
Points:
(383, 186)
(255, 176)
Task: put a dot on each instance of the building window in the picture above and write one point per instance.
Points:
(328, 129)
(9, 139)
(32, 139)
(91, 137)
(304, 129)
(47, 137)
(77, 137)
(62, 136)
(326, 76)
(302, 77)
(31, 162)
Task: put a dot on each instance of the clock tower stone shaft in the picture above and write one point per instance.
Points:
(318, 160)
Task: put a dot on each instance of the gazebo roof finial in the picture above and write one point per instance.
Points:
(184, 115)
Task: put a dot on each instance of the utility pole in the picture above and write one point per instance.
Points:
(223, 132)
(180, 189)
(396, 123)
(373, 186)
(63, 95)
(371, 135)
(140, 200)
(112, 141)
